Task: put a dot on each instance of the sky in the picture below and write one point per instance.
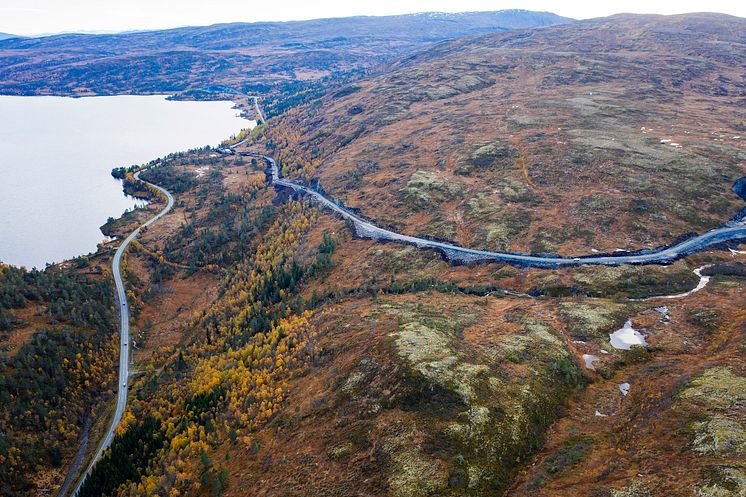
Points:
(34, 17)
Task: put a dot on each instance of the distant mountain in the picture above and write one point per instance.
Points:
(5, 36)
(241, 55)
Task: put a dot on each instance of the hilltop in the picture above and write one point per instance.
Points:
(597, 135)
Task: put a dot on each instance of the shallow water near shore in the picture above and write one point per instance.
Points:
(56, 156)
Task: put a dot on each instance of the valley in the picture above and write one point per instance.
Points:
(503, 264)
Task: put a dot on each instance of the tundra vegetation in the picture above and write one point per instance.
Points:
(275, 352)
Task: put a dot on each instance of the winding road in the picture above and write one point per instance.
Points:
(732, 231)
(124, 321)
(124, 328)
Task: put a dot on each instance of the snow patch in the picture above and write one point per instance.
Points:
(588, 358)
(626, 337)
(703, 281)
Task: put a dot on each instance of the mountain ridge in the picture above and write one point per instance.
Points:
(232, 54)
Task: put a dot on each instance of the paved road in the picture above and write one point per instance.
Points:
(124, 317)
(124, 335)
(461, 255)
(258, 110)
(366, 229)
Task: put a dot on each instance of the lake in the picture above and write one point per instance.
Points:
(56, 156)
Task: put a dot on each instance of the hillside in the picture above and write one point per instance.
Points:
(276, 353)
(617, 133)
(243, 56)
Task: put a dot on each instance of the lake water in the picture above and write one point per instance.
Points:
(56, 156)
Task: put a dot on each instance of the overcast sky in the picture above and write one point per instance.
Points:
(31, 17)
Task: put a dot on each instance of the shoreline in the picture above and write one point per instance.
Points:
(67, 186)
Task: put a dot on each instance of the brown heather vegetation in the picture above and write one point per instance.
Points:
(545, 140)
(278, 355)
(211, 61)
